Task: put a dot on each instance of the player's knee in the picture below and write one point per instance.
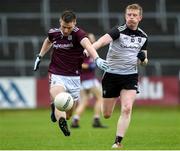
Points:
(106, 115)
(68, 116)
(126, 109)
(85, 104)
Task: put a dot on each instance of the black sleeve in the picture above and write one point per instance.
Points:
(114, 33)
(144, 47)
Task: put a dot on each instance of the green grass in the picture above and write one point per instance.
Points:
(150, 128)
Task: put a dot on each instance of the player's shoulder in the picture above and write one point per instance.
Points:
(117, 29)
(53, 30)
(54, 33)
(78, 29)
(142, 32)
(121, 28)
(79, 32)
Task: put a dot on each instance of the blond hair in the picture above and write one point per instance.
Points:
(136, 7)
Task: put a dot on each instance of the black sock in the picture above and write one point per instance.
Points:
(61, 119)
(118, 139)
(96, 119)
(52, 107)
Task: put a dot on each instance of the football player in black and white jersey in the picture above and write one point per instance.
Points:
(127, 49)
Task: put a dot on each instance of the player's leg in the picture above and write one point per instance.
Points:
(52, 107)
(110, 93)
(73, 86)
(59, 84)
(53, 118)
(108, 105)
(60, 115)
(127, 98)
(80, 108)
(55, 87)
(70, 112)
(62, 120)
(96, 91)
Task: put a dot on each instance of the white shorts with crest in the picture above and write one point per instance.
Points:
(71, 84)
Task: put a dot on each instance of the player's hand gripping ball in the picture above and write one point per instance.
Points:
(63, 101)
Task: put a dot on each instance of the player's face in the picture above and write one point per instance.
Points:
(133, 18)
(67, 28)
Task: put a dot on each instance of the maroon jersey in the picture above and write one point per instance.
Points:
(88, 73)
(67, 56)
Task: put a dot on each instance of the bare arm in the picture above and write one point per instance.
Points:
(45, 47)
(102, 64)
(102, 41)
(90, 49)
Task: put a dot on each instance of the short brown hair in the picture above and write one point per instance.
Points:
(135, 6)
(68, 16)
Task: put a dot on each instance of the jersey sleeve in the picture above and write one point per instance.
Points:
(53, 34)
(144, 47)
(114, 33)
(50, 35)
(81, 34)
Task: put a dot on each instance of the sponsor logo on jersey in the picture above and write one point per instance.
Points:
(63, 46)
(130, 46)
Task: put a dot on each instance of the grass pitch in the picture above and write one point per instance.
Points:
(150, 128)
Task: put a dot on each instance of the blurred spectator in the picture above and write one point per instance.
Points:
(90, 87)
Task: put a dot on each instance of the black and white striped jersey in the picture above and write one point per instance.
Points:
(123, 50)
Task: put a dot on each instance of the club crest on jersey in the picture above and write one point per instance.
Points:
(70, 37)
(132, 40)
(139, 40)
(54, 82)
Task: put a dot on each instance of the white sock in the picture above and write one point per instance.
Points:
(76, 117)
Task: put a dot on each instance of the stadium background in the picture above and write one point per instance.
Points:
(24, 25)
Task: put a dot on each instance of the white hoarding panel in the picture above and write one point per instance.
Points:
(17, 92)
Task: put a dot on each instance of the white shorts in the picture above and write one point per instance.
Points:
(87, 84)
(71, 84)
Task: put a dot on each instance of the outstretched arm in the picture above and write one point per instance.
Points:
(88, 46)
(102, 41)
(44, 49)
(102, 64)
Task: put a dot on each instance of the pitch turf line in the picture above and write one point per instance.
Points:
(150, 128)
